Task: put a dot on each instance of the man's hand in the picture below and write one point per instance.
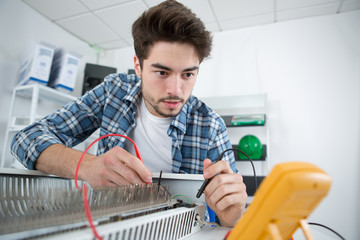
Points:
(226, 193)
(115, 167)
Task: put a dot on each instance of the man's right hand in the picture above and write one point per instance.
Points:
(115, 167)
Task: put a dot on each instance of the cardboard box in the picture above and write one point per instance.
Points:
(35, 63)
(64, 70)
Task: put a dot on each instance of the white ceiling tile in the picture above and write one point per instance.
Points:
(232, 9)
(121, 18)
(292, 4)
(55, 10)
(307, 12)
(97, 4)
(201, 8)
(151, 3)
(113, 45)
(212, 27)
(247, 21)
(88, 28)
(349, 5)
(129, 41)
(107, 23)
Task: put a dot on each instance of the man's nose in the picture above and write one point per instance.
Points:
(174, 85)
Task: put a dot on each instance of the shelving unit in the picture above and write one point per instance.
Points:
(18, 119)
(255, 104)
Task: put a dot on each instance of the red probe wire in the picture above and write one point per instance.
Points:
(86, 202)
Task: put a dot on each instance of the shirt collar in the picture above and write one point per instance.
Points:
(180, 120)
(135, 91)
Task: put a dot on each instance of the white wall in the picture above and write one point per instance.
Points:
(122, 59)
(18, 25)
(310, 69)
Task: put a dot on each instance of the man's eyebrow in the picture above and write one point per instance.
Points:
(191, 69)
(160, 66)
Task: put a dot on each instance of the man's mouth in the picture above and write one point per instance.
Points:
(171, 103)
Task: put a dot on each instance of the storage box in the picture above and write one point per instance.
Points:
(64, 70)
(35, 63)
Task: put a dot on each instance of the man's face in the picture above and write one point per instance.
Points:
(168, 76)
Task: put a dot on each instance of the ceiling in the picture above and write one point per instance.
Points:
(107, 23)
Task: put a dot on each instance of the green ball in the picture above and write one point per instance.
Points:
(252, 146)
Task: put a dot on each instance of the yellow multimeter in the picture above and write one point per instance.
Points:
(282, 203)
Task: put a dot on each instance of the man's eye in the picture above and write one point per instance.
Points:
(188, 75)
(161, 73)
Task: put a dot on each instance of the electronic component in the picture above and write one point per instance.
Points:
(48, 207)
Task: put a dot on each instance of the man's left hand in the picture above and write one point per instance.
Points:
(226, 193)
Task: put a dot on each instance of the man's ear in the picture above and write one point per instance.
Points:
(137, 66)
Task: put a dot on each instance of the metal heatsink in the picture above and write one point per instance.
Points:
(33, 206)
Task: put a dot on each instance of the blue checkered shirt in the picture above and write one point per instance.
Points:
(197, 132)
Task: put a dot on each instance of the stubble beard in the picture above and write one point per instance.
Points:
(155, 104)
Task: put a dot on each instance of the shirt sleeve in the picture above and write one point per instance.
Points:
(220, 142)
(69, 126)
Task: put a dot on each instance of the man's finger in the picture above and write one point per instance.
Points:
(228, 201)
(216, 168)
(129, 161)
(138, 166)
(126, 173)
(117, 180)
(224, 184)
(207, 163)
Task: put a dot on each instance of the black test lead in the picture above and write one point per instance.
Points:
(207, 181)
(202, 188)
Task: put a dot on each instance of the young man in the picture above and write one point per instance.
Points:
(175, 132)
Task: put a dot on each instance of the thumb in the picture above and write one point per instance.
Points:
(207, 163)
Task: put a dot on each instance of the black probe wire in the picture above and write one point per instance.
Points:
(206, 182)
(251, 161)
(328, 228)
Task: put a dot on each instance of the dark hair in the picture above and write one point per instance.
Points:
(170, 21)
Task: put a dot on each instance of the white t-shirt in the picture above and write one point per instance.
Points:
(152, 140)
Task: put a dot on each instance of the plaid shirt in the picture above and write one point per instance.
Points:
(197, 132)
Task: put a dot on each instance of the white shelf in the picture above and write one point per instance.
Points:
(241, 104)
(245, 105)
(35, 93)
(45, 93)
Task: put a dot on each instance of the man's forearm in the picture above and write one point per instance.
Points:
(59, 160)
